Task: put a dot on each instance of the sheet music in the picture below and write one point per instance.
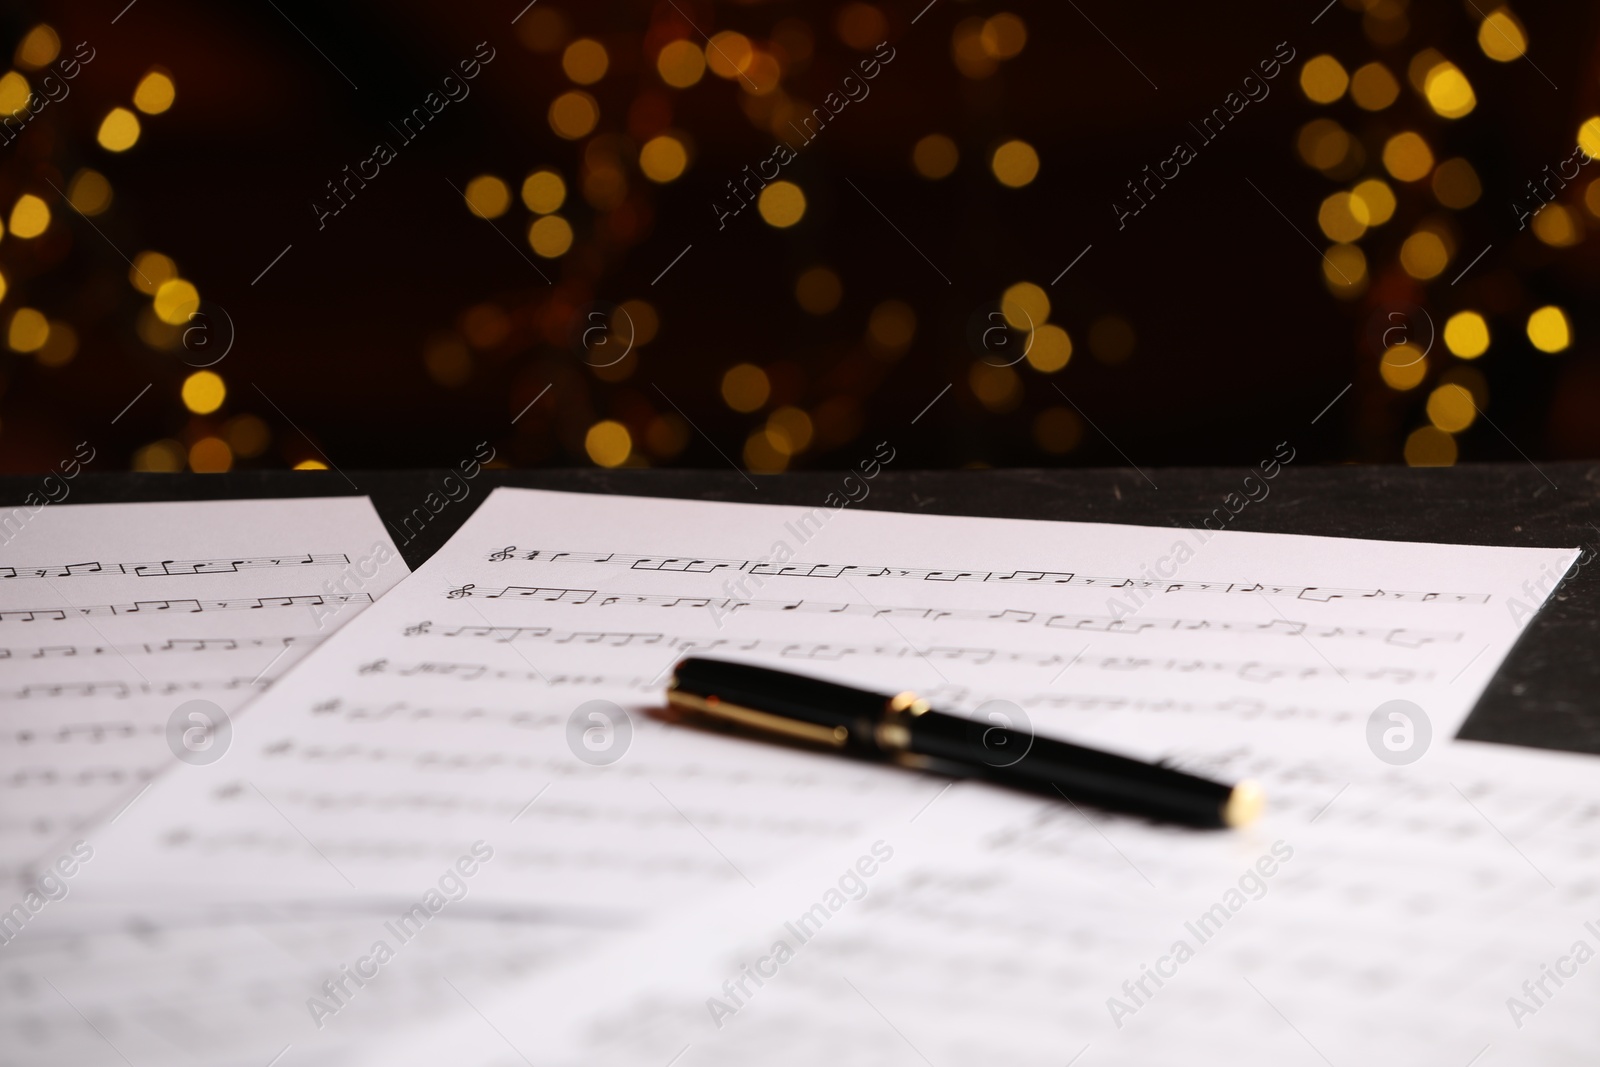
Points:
(113, 616)
(450, 715)
(1444, 912)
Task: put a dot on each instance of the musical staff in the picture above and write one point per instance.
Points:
(1131, 624)
(765, 568)
(179, 607)
(168, 568)
(1244, 670)
(123, 690)
(176, 644)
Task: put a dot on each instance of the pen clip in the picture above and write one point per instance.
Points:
(763, 722)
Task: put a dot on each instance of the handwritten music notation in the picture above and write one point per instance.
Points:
(122, 690)
(175, 567)
(1245, 670)
(180, 607)
(766, 568)
(948, 695)
(92, 732)
(727, 606)
(152, 648)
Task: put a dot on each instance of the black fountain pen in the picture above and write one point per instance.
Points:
(903, 728)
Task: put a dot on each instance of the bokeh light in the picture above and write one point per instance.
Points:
(680, 63)
(1407, 157)
(1373, 88)
(1501, 36)
(1451, 408)
(1049, 348)
(1429, 446)
(608, 443)
(30, 216)
(585, 61)
(1323, 79)
(935, 156)
(782, 204)
(203, 392)
(119, 130)
(1015, 164)
(1025, 306)
(544, 191)
(487, 196)
(154, 93)
(663, 158)
(1549, 330)
(1466, 334)
(818, 290)
(745, 387)
(550, 236)
(574, 114)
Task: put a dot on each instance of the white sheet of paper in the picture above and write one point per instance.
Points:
(112, 616)
(458, 710)
(1443, 912)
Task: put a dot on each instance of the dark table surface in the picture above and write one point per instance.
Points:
(1547, 694)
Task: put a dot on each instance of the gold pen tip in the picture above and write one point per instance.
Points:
(1244, 805)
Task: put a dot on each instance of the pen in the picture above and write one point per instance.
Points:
(904, 729)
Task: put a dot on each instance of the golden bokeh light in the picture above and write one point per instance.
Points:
(1025, 306)
(1589, 137)
(1448, 91)
(1456, 185)
(154, 93)
(1323, 144)
(1424, 255)
(760, 457)
(997, 388)
(30, 216)
(608, 443)
(680, 63)
(1429, 446)
(1407, 157)
(203, 392)
(1403, 367)
(14, 92)
(543, 29)
(59, 347)
(935, 156)
(311, 465)
(1373, 88)
(1549, 329)
(892, 325)
(119, 130)
(1451, 408)
(447, 361)
(550, 236)
(160, 457)
(1591, 198)
(818, 290)
(1015, 164)
(729, 54)
(762, 75)
(574, 114)
(782, 204)
(1501, 36)
(1466, 334)
(1344, 268)
(1003, 36)
(663, 158)
(745, 387)
(38, 47)
(176, 301)
(1049, 349)
(210, 455)
(1323, 79)
(3, 286)
(637, 316)
(247, 435)
(28, 331)
(1376, 202)
(789, 430)
(150, 270)
(585, 61)
(967, 50)
(1057, 430)
(543, 191)
(487, 196)
(89, 192)
(1343, 217)
(1558, 226)
(860, 25)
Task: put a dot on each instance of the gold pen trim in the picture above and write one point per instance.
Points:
(813, 733)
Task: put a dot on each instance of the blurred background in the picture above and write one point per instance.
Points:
(775, 234)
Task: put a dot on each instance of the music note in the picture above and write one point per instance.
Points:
(464, 591)
(502, 555)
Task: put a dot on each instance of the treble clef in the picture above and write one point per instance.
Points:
(502, 555)
(457, 594)
(418, 629)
